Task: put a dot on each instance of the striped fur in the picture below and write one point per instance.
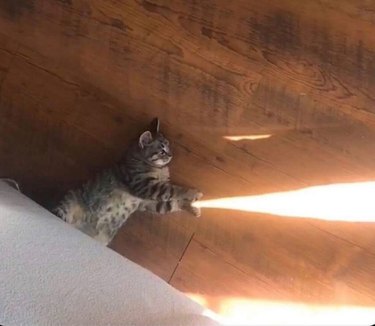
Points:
(141, 183)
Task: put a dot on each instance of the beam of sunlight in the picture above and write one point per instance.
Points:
(247, 137)
(229, 310)
(350, 202)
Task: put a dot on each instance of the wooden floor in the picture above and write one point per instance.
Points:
(79, 79)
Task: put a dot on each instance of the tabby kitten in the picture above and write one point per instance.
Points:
(140, 183)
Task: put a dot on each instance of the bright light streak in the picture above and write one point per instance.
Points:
(244, 311)
(247, 137)
(350, 202)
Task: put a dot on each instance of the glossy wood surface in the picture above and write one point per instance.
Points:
(79, 79)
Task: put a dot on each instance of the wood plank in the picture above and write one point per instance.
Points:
(154, 242)
(79, 79)
(337, 281)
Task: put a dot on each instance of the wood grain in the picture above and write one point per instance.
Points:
(79, 79)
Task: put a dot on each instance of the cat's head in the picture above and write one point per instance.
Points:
(154, 147)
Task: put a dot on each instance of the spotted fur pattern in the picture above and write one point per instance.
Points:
(141, 183)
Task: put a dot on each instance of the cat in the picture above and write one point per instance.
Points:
(140, 183)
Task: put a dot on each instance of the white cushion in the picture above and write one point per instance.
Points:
(52, 274)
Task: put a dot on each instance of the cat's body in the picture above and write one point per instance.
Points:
(141, 183)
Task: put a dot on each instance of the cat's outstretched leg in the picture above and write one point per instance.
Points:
(152, 189)
(163, 207)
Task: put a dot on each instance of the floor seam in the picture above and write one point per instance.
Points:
(181, 257)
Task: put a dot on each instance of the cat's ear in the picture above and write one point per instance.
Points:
(145, 139)
(155, 126)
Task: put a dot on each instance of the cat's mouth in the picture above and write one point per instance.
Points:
(161, 162)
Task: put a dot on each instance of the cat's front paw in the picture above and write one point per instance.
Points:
(196, 211)
(193, 195)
